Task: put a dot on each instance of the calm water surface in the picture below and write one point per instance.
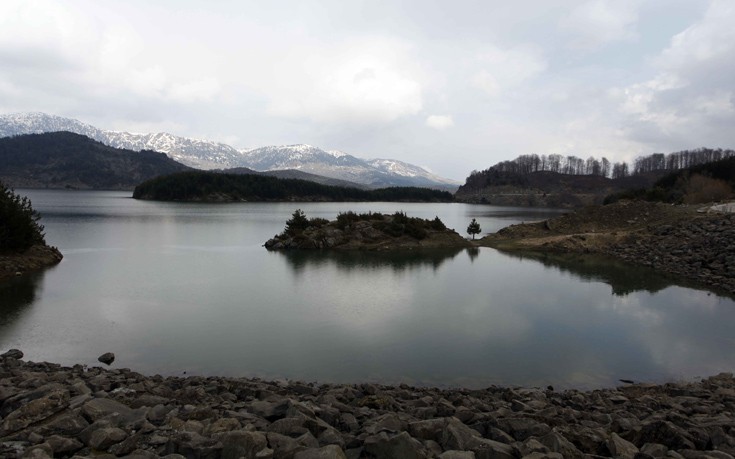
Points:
(173, 288)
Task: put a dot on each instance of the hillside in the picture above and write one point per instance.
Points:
(708, 182)
(568, 181)
(546, 188)
(67, 160)
(219, 187)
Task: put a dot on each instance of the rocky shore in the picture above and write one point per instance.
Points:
(34, 259)
(48, 410)
(677, 240)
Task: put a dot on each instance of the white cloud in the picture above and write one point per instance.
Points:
(599, 22)
(503, 69)
(439, 122)
(363, 81)
(689, 102)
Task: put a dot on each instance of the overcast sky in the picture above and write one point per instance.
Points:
(449, 85)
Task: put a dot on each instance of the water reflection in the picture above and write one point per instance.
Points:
(624, 278)
(398, 261)
(17, 295)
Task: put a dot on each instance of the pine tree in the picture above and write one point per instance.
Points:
(19, 227)
(474, 228)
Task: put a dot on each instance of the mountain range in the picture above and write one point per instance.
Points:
(205, 154)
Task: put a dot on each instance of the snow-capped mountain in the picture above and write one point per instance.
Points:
(343, 166)
(200, 154)
(204, 154)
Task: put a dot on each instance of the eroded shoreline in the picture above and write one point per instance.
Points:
(36, 258)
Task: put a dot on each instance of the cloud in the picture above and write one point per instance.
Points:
(439, 122)
(365, 81)
(503, 69)
(596, 23)
(689, 102)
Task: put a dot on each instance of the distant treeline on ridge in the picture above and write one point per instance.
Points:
(210, 186)
(572, 165)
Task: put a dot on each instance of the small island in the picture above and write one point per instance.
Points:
(369, 231)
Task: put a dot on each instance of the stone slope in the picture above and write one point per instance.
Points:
(53, 411)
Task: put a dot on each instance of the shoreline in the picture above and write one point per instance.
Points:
(36, 258)
(49, 410)
(680, 241)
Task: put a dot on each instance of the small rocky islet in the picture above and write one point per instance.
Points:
(368, 231)
(49, 410)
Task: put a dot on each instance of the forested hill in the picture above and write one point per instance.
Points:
(67, 160)
(202, 186)
(569, 181)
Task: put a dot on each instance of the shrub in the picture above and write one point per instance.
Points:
(19, 227)
(437, 224)
(701, 189)
(317, 222)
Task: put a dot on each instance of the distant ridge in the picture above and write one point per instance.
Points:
(205, 154)
(68, 160)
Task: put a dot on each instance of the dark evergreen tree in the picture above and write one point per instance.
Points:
(473, 228)
(19, 227)
(297, 223)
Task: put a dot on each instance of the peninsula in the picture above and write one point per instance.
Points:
(23, 247)
(689, 241)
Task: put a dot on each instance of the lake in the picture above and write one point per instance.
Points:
(174, 288)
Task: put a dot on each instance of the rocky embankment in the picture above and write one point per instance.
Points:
(369, 232)
(49, 410)
(677, 240)
(33, 259)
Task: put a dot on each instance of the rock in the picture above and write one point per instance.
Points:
(522, 428)
(326, 452)
(667, 434)
(35, 411)
(107, 358)
(63, 445)
(558, 444)
(400, 445)
(191, 444)
(621, 448)
(42, 451)
(12, 354)
(102, 439)
(237, 444)
(429, 429)
(291, 427)
(454, 454)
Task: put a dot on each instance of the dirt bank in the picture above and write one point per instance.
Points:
(53, 411)
(34, 259)
(679, 240)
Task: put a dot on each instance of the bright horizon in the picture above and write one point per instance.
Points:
(451, 89)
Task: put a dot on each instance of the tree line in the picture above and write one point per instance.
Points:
(508, 172)
(208, 186)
